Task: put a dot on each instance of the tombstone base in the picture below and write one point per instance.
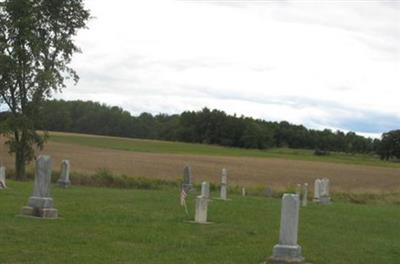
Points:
(200, 223)
(63, 184)
(40, 202)
(283, 254)
(325, 200)
(49, 213)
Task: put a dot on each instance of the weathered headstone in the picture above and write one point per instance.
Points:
(3, 178)
(317, 190)
(305, 194)
(224, 184)
(243, 191)
(40, 204)
(201, 210)
(324, 192)
(64, 181)
(205, 189)
(187, 179)
(287, 250)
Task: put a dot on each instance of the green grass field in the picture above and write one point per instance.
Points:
(100, 225)
(154, 146)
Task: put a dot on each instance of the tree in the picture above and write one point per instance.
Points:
(36, 47)
(390, 145)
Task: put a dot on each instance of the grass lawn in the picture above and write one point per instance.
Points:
(155, 146)
(100, 225)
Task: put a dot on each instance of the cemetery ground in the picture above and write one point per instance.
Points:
(106, 225)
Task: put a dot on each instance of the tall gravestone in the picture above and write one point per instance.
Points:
(224, 185)
(40, 204)
(287, 250)
(305, 194)
(317, 190)
(64, 181)
(3, 178)
(201, 210)
(243, 191)
(205, 189)
(187, 179)
(325, 192)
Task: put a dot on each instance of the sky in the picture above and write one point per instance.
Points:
(324, 64)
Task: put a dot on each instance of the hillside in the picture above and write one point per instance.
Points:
(277, 168)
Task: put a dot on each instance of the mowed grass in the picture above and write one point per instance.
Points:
(100, 225)
(165, 147)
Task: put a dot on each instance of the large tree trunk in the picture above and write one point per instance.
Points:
(20, 165)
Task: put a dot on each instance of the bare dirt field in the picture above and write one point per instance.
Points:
(243, 171)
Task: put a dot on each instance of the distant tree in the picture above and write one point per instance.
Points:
(390, 145)
(36, 47)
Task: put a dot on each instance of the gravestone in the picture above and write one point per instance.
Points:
(64, 181)
(187, 179)
(205, 189)
(305, 194)
(201, 210)
(287, 250)
(243, 191)
(324, 192)
(40, 204)
(3, 178)
(317, 190)
(224, 184)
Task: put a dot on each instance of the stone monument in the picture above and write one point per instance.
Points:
(64, 181)
(317, 190)
(3, 178)
(324, 192)
(205, 189)
(287, 250)
(243, 191)
(187, 179)
(201, 210)
(305, 194)
(224, 184)
(40, 204)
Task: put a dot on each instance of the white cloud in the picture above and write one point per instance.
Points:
(314, 63)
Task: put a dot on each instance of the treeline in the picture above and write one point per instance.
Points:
(208, 127)
(205, 126)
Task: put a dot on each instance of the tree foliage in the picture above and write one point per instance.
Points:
(390, 145)
(36, 47)
(205, 126)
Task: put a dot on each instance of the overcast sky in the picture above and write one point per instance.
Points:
(324, 64)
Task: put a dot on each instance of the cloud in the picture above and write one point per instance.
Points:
(334, 64)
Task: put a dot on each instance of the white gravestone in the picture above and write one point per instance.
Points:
(243, 191)
(317, 190)
(3, 178)
(64, 181)
(205, 189)
(40, 204)
(187, 179)
(287, 250)
(324, 192)
(305, 194)
(201, 210)
(224, 185)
